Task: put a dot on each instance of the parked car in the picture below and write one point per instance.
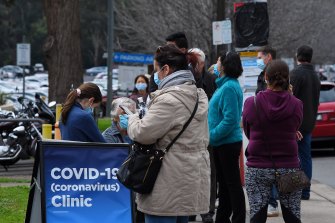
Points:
(14, 71)
(323, 135)
(38, 67)
(96, 70)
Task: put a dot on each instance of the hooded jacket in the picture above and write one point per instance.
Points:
(274, 128)
(182, 186)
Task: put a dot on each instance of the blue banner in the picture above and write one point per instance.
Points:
(80, 183)
(133, 58)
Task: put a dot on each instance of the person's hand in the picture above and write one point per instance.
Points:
(298, 136)
(123, 121)
(290, 88)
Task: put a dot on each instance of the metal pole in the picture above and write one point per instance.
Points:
(24, 81)
(110, 57)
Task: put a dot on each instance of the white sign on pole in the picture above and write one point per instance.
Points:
(217, 33)
(23, 54)
(226, 31)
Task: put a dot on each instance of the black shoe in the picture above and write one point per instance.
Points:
(207, 218)
(305, 197)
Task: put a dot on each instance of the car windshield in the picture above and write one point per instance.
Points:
(327, 93)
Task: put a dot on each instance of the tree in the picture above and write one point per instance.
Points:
(62, 47)
(93, 19)
(141, 26)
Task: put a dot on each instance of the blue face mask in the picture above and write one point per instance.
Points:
(123, 121)
(89, 110)
(216, 70)
(141, 86)
(156, 79)
(260, 64)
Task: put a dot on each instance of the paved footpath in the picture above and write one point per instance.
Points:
(320, 208)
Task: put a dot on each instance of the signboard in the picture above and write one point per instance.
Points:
(79, 183)
(127, 76)
(217, 33)
(226, 29)
(222, 32)
(133, 58)
(23, 54)
(250, 70)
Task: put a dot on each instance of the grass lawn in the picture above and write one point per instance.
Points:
(12, 180)
(13, 203)
(104, 123)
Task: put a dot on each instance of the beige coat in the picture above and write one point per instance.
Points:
(183, 184)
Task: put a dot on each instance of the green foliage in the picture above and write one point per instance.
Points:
(19, 20)
(104, 123)
(13, 203)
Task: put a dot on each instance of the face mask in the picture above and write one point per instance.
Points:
(216, 70)
(123, 121)
(141, 86)
(89, 110)
(156, 79)
(260, 64)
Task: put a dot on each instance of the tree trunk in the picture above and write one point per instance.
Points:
(62, 47)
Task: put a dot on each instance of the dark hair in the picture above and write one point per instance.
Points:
(135, 91)
(84, 91)
(179, 38)
(231, 62)
(269, 50)
(278, 74)
(305, 54)
(171, 55)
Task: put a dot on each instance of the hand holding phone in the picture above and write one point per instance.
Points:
(126, 110)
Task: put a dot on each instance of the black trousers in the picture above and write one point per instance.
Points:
(231, 195)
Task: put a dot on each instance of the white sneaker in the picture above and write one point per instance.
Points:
(273, 211)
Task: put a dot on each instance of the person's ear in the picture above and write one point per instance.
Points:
(166, 70)
(91, 100)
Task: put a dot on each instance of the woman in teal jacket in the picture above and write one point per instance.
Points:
(224, 116)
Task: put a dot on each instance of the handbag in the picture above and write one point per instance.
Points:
(140, 169)
(289, 182)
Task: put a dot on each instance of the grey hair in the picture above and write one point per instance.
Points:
(127, 102)
(199, 52)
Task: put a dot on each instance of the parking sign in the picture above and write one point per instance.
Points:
(23, 54)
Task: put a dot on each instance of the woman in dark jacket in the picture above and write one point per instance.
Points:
(77, 123)
(270, 122)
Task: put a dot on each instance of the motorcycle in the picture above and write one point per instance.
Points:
(20, 132)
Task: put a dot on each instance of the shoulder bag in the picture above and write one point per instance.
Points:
(140, 169)
(289, 182)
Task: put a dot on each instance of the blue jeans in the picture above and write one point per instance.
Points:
(165, 219)
(305, 157)
(273, 196)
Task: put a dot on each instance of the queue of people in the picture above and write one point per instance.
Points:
(203, 164)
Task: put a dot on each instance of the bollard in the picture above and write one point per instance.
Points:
(58, 111)
(47, 131)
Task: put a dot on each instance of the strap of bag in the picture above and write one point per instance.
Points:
(264, 140)
(184, 127)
